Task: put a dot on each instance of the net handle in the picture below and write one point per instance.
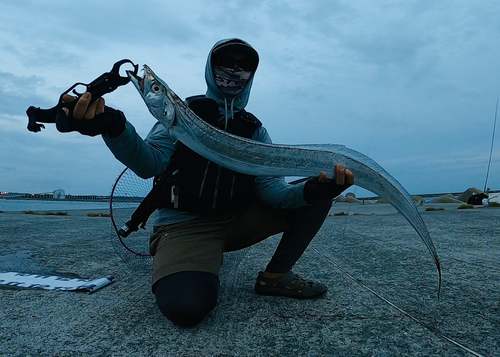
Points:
(113, 222)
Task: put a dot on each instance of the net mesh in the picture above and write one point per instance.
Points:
(127, 193)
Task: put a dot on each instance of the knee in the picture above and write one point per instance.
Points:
(186, 298)
(183, 313)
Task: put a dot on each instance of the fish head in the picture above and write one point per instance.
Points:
(159, 98)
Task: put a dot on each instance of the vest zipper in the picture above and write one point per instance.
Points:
(203, 181)
(232, 187)
(214, 204)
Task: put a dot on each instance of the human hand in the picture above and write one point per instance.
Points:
(84, 109)
(323, 188)
(89, 118)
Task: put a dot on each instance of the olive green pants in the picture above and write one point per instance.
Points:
(199, 244)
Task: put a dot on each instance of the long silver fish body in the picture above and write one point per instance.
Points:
(262, 159)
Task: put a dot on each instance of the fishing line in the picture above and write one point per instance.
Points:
(430, 328)
(474, 264)
(489, 161)
(491, 149)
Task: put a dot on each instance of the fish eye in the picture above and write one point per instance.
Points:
(155, 88)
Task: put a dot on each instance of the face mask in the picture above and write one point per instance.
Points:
(231, 81)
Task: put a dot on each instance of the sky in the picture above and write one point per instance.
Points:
(411, 84)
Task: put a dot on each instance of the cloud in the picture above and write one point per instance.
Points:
(43, 162)
(17, 93)
(405, 82)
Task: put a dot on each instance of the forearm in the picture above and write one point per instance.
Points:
(147, 158)
(275, 192)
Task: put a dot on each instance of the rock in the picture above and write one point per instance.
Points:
(340, 199)
(350, 199)
(347, 199)
(418, 200)
(449, 198)
(464, 197)
(477, 199)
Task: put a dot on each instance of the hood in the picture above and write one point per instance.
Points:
(229, 104)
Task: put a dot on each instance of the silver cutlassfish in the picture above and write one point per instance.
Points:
(262, 159)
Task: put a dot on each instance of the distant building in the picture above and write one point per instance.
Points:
(59, 194)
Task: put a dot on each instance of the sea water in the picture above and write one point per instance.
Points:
(54, 206)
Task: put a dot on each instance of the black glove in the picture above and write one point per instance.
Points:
(315, 190)
(111, 123)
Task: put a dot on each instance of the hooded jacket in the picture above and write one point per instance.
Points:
(229, 105)
(150, 157)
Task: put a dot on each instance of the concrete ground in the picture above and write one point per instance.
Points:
(382, 298)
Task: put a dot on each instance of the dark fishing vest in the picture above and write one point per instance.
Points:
(200, 185)
(194, 184)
